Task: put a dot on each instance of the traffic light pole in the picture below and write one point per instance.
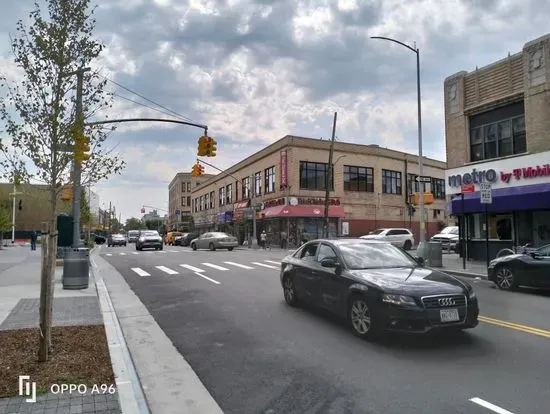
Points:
(77, 168)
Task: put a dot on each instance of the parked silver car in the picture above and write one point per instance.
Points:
(215, 240)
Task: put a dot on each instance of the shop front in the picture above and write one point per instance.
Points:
(299, 218)
(519, 211)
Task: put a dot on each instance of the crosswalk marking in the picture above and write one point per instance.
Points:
(140, 271)
(135, 253)
(272, 261)
(173, 251)
(122, 254)
(162, 251)
(108, 254)
(192, 268)
(213, 266)
(167, 270)
(264, 265)
(239, 265)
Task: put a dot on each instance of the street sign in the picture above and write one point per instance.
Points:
(467, 188)
(423, 179)
(486, 194)
(178, 212)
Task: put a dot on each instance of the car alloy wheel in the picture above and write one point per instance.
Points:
(360, 317)
(212, 248)
(194, 246)
(289, 291)
(505, 278)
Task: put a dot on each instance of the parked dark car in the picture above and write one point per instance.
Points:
(149, 239)
(116, 240)
(185, 240)
(528, 269)
(377, 287)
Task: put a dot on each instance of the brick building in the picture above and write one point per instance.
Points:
(497, 124)
(179, 196)
(286, 183)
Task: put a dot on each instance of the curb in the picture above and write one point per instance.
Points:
(130, 392)
(465, 273)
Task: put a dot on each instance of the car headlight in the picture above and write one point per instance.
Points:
(142, 239)
(399, 300)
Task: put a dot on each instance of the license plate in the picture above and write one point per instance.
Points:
(449, 315)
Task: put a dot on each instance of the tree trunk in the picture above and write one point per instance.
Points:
(47, 285)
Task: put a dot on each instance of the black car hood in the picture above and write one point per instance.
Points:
(411, 280)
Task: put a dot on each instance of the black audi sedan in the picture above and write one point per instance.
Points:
(377, 287)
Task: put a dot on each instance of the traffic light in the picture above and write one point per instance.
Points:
(81, 148)
(211, 147)
(197, 170)
(202, 146)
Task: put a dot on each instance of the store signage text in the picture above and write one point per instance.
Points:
(491, 176)
(318, 201)
(300, 201)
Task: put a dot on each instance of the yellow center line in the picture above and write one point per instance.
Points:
(515, 326)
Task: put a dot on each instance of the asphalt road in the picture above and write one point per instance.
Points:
(255, 354)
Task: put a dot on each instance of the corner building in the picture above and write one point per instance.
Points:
(285, 183)
(179, 199)
(497, 125)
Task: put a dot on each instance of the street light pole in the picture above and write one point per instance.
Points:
(328, 180)
(14, 195)
(420, 161)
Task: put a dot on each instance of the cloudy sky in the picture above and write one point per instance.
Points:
(257, 70)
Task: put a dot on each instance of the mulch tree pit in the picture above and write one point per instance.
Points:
(80, 355)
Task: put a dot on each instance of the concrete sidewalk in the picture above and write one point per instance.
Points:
(453, 264)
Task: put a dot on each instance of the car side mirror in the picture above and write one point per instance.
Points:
(328, 262)
(419, 260)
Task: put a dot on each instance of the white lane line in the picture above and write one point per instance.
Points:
(489, 406)
(239, 265)
(122, 254)
(173, 251)
(192, 268)
(135, 253)
(207, 278)
(272, 261)
(213, 266)
(140, 271)
(264, 265)
(162, 251)
(167, 270)
(108, 254)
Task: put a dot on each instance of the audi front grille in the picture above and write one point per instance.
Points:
(444, 301)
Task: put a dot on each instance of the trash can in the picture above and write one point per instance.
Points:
(435, 254)
(76, 267)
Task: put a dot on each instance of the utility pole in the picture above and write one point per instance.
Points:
(328, 177)
(77, 168)
(14, 195)
(252, 194)
(110, 217)
(90, 211)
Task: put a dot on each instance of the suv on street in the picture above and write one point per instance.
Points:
(448, 237)
(116, 240)
(397, 236)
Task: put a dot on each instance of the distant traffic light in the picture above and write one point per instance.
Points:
(201, 170)
(81, 148)
(211, 147)
(197, 170)
(201, 152)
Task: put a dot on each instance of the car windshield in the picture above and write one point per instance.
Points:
(374, 256)
(118, 236)
(450, 230)
(379, 231)
(150, 233)
(220, 235)
(133, 233)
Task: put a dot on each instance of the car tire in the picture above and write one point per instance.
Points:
(361, 317)
(407, 245)
(194, 246)
(161, 247)
(230, 249)
(504, 278)
(289, 292)
(211, 247)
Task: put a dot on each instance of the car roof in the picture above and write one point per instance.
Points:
(349, 241)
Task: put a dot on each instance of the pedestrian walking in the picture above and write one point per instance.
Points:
(33, 240)
(263, 239)
(284, 241)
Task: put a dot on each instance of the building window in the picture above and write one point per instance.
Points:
(183, 199)
(183, 187)
(196, 205)
(229, 194)
(188, 201)
(189, 187)
(498, 133)
(201, 208)
(206, 201)
(413, 186)
(212, 199)
(358, 179)
(246, 188)
(236, 191)
(391, 182)
(258, 184)
(313, 176)
(438, 188)
(269, 174)
(221, 200)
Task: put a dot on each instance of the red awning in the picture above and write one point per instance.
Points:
(302, 211)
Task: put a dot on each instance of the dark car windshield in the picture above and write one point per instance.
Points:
(450, 230)
(150, 233)
(379, 231)
(374, 256)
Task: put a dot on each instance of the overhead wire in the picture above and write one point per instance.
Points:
(142, 104)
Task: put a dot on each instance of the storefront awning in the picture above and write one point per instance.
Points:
(302, 211)
(506, 200)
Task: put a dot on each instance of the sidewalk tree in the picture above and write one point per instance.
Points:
(132, 224)
(5, 221)
(38, 113)
(85, 214)
(154, 224)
